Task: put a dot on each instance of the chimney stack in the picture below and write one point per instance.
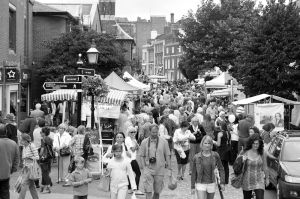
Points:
(172, 17)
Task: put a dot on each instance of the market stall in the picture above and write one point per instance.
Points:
(284, 113)
(106, 113)
(222, 81)
(134, 82)
(116, 82)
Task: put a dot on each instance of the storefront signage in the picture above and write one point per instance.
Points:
(11, 74)
(11, 63)
(61, 85)
(25, 75)
(87, 71)
(72, 78)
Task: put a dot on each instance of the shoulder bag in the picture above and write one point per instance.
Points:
(237, 180)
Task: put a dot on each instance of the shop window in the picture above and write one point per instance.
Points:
(12, 27)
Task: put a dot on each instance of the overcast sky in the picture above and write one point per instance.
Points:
(145, 8)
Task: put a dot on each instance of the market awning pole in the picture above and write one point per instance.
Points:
(64, 112)
(79, 103)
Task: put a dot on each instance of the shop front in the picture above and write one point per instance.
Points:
(14, 88)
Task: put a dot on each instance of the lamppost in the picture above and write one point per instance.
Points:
(79, 94)
(92, 55)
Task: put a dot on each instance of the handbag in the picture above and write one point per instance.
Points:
(66, 151)
(104, 184)
(18, 184)
(237, 180)
(238, 165)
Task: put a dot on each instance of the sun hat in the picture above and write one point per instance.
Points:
(26, 137)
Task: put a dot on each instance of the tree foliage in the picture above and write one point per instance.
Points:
(268, 59)
(210, 33)
(64, 54)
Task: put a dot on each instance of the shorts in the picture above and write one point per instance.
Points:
(152, 183)
(181, 160)
(209, 188)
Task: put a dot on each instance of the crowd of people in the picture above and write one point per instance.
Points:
(204, 135)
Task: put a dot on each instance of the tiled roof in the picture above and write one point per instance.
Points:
(39, 7)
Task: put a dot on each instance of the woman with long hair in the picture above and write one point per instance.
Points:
(223, 138)
(205, 165)
(181, 139)
(256, 175)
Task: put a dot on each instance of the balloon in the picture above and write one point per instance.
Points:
(231, 118)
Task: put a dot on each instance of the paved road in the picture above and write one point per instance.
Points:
(182, 191)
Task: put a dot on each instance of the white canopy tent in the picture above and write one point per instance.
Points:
(134, 82)
(256, 99)
(221, 81)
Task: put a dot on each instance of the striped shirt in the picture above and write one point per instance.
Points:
(30, 152)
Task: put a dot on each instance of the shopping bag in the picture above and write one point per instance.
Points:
(18, 184)
(104, 183)
(35, 171)
(172, 185)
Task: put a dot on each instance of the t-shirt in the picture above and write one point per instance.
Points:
(119, 172)
(77, 176)
(207, 170)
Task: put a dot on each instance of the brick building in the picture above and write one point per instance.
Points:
(166, 53)
(15, 56)
(48, 23)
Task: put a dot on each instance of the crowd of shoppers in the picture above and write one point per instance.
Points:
(170, 121)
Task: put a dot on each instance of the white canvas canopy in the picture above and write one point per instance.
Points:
(134, 82)
(221, 81)
(260, 97)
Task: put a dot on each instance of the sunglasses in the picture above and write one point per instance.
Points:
(133, 132)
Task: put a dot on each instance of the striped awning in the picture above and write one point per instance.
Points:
(60, 95)
(113, 97)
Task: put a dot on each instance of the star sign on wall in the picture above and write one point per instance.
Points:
(11, 74)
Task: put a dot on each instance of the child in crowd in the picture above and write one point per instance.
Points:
(79, 179)
(119, 168)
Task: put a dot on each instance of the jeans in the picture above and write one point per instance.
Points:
(27, 183)
(226, 169)
(46, 168)
(259, 193)
(4, 189)
(137, 171)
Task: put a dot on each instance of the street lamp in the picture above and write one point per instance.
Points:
(92, 55)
